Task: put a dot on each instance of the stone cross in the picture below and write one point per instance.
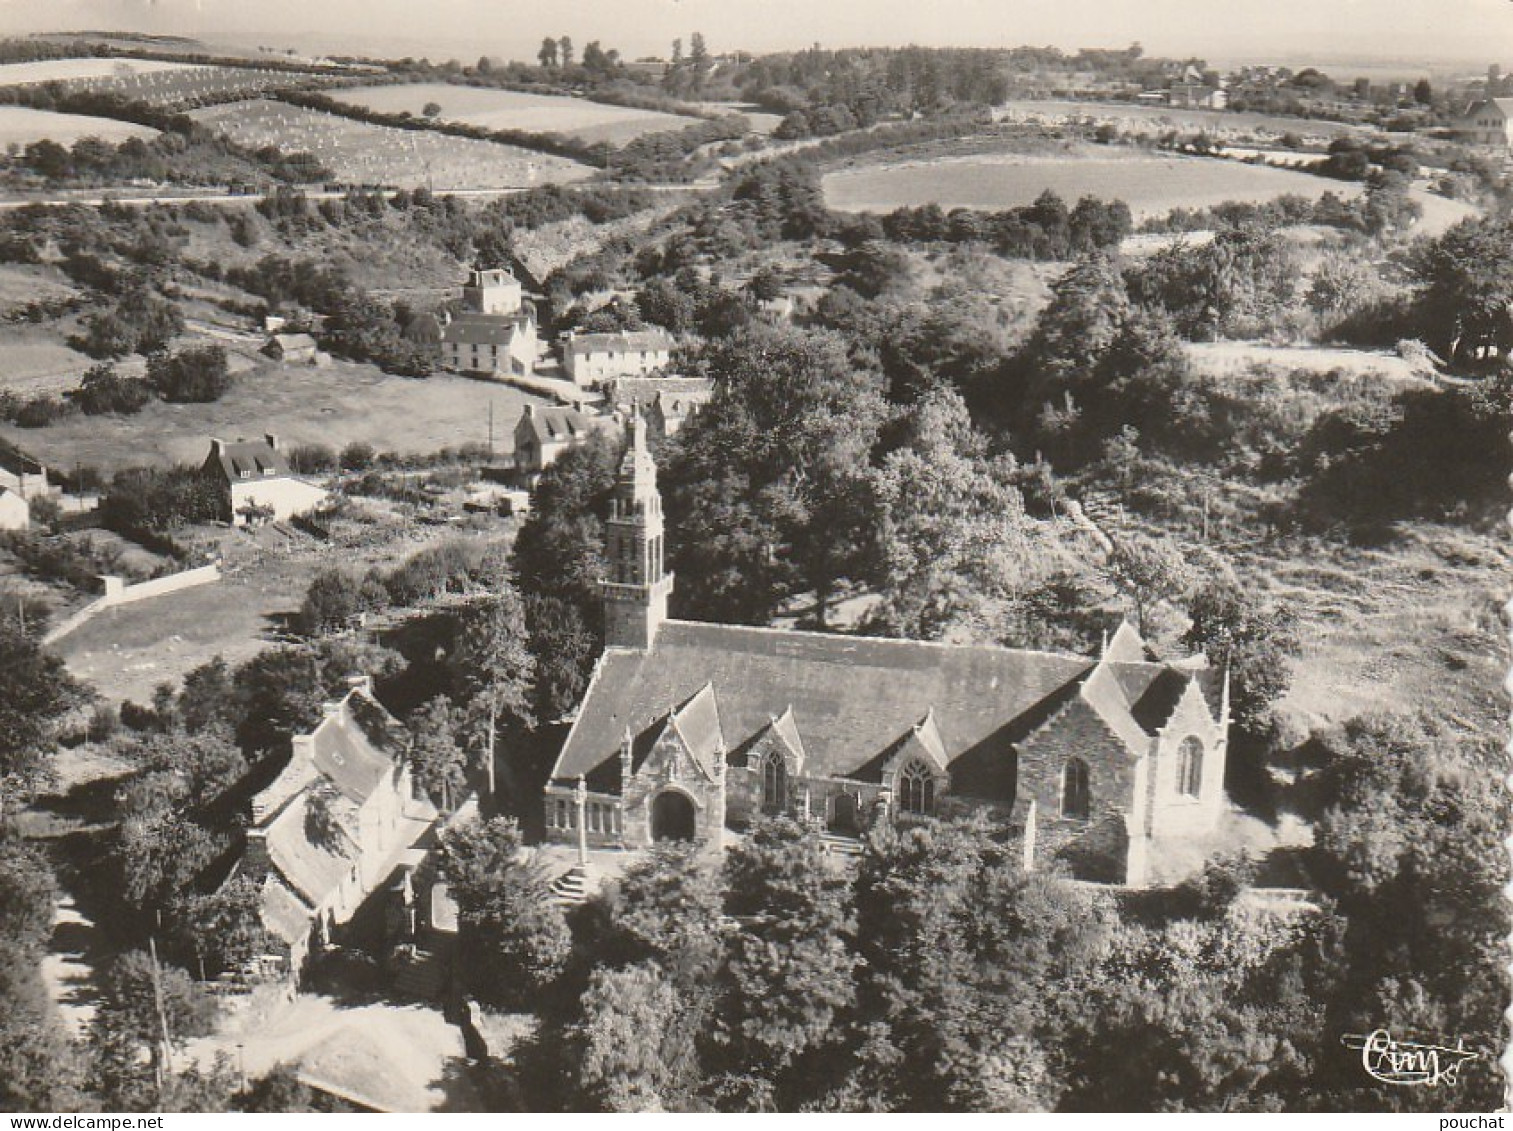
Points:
(580, 795)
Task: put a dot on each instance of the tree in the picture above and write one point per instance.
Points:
(1466, 307)
(145, 1006)
(565, 51)
(788, 976)
(950, 523)
(195, 375)
(36, 693)
(224, 929)
(547, 55)
(766, 486)
(1423, 92)
(1148, 571)
(1250, 640)
(495, 668)
(430, 110)
(512, 938)
(436, 757)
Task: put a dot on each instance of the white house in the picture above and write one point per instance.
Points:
(256, 482)
(1487, 122)
(495, 332)
(590, 359)
(15, 513)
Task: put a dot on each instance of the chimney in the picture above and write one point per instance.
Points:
(217, 447)
(362, 683)
(330, 711)
(530, 411)
(256, 862)
(272, 440)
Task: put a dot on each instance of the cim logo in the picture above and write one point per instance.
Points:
(1408, 1062)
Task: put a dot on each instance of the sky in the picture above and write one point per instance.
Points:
(1473, 31)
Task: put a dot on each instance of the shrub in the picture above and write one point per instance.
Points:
(197, 375)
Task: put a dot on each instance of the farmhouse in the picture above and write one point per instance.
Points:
(591, 359)
(1488, 122)
(15, 514)
(495, 332)
(687, 728)
(335, 824)
(543, 434)
(293, 349)
(255, 482)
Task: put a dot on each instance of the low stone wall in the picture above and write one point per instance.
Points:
(118, 592)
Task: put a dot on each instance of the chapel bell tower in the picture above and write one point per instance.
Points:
(637, 586)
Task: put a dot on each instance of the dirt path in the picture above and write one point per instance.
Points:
(68, 971)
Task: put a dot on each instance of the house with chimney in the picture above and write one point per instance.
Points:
(256, 484)
(689, 729)
(544, 432)
(494, 331)
(340, 820)
(592, 359)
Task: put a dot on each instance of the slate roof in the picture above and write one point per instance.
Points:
(557, 424)
(624, 342)
(851, 697)
(852, 704)
(247, 459)
(283, 912)
(291, 343)
(471, 328)
(1504, 105)
(314, 869)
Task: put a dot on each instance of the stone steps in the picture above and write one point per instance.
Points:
(571, 886)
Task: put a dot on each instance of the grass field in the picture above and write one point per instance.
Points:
(1151, 185)
(360, 153)
(516, 110)
(20, 125)
(73, 70)
(1157, 119)
(334, 405)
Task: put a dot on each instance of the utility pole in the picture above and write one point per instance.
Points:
(160, 1061)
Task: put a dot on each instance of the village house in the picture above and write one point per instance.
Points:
(495, 331)
(293, 349)
(256, 484)
(689, 728)
(334, 826)
(1487, 122)
(544, 432)
(665, 402)
(22, 474)
(592, 359)
(15, 513)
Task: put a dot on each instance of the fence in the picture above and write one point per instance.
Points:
(117, 592)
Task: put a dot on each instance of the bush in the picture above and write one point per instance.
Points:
(102, 391)
(197, 375)
(357, 456)
(40, 411)
(313, 459)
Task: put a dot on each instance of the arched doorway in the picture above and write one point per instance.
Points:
(672, 816)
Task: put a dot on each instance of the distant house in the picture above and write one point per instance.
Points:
(495, 332)
(256, 482)
(22, 474)
(1198, 96)
(1488, 122)
(335, 824)
(15, 514)
(665, 402)
(292, 349)
(544, 433)
(590, 359)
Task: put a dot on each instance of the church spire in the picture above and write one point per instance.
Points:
(637, 586)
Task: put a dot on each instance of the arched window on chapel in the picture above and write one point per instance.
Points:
(1075, 798)
(916, 790)
(1190, 767)
(774, 783)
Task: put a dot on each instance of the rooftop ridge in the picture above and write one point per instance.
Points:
(943, 645)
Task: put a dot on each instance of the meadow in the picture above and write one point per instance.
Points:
(494, 109)
(1151, 185)
(360, 153)
(22, 126)
(1155, 119)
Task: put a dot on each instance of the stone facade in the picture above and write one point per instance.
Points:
(688, 729)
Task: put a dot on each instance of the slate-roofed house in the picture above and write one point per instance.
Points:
(329, 830)
(256, 482)
(665, 402)
(22, 473)
(1487, 122)
(591, 359)
(495, 331)
(544, 432)
(687, 727)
